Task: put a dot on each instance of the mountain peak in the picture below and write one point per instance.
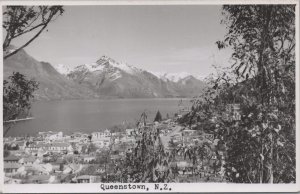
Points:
(52, 85)
(173, 77)
(109, 62)
(105, 57)
(63, 69)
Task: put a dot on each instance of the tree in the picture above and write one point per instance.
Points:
(158, 117)
(21, 20)
(17, 97)
(263, 40)
(6, 153)
(106, 159)
(261, 145)
(91, 148)
(147, 161)
(90, 138)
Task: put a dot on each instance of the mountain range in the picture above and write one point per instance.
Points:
(106, 78)
(52, 85)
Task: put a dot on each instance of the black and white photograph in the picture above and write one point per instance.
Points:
(137, 97)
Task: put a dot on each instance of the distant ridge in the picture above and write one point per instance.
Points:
(106, 78)
(52, 85)
(109, 77)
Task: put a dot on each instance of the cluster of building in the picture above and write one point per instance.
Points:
(52, 157)
(197, 169)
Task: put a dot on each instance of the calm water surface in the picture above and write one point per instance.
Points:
(92, 115)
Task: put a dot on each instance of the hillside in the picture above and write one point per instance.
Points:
(106, 78)
(111, 78)
(52, 85)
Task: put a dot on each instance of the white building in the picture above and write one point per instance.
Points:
(101, 134)
(55, 136)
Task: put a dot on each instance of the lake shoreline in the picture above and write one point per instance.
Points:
(112, 98)
(91, 115)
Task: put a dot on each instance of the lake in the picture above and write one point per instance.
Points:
(92, 115)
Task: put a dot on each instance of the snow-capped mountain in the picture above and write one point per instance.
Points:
(109, 66)
(63, 69)
(173, 77)
(104, 78)
(52, 84)
(200, 77)
(108, 77)
(105, 60)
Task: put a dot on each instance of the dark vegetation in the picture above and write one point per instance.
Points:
(18, 21)
(250, 107)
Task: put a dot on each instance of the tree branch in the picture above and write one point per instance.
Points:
(24, 32)
(26, 44)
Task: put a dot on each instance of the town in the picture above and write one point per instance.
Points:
(54, 157)
(81, 85)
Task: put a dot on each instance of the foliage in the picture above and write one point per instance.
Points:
(21, 20)
(158, 117)
(147, 161)
(52, 158)
(199, 155)
(6, 153)
(121, 127)
(90, 138)
(17, 97)
(91, 148)
(261, 144)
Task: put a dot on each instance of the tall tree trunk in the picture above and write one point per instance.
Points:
(271, 180)
(261, 165)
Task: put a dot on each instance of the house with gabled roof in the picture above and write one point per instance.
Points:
(72, 168)
(29, 160)
(52, 147)
(11, 168)
(86, 179)
(39, 179)
(101, 134)
(11, 159)
(58, 146)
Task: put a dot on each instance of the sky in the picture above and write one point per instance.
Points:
(157, 38)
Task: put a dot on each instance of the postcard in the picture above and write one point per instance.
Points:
(150, 96)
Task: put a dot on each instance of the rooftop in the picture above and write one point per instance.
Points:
(29, 159)
(39, 177)
(11, 165)
(84, 177)
(11, 157)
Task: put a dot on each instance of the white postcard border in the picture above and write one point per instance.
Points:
(175, 187)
